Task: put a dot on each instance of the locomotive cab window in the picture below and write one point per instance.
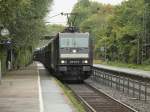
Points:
(74, 45)
(74, 41)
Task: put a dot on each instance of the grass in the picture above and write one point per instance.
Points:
(119, 64)
(78, 105)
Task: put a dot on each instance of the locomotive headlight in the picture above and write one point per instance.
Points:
(86, 61)
(62, 61)
(74, 51)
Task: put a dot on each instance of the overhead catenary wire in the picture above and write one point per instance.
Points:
(55, 15)
(65, 14)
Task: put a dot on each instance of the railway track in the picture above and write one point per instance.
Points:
(97, 101)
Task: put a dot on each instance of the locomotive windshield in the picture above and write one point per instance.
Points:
(74, 40)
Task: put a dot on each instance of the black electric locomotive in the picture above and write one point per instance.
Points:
(68, 54)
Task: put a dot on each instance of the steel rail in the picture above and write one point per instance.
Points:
(97, 100)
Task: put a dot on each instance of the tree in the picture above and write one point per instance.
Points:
(114, 29)
(24, 19)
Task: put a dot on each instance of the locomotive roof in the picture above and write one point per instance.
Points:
(76, 34)
(71, 29)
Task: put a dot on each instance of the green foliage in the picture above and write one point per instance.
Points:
(114, 29)
(24, 19)
(52, 30)
(145, 67)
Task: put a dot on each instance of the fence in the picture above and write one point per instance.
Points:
(135, 88)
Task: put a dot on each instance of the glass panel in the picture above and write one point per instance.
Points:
(74, 42)
(80, 42)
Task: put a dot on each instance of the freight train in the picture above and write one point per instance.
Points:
(68, 54)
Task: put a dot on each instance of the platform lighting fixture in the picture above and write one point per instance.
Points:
(4, 32)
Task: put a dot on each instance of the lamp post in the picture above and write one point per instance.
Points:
(3, 32)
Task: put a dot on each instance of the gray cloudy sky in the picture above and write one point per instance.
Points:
(66, 6)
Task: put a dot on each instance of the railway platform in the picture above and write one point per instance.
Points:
(129, 86)
(32, 89)
(133, 72)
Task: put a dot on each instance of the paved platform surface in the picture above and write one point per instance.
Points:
(19, 91)
(32, 89)
(53, 97)
(136, 72)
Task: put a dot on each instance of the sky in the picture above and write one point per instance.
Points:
(66, 6)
